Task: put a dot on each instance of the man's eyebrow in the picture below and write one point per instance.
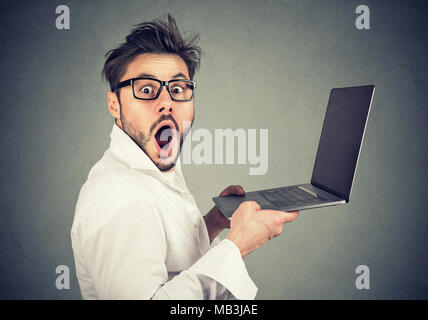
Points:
(179, 75)
(148, 75)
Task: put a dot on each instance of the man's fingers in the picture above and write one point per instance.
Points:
(235, 189)
(250, 204)
(285, 216)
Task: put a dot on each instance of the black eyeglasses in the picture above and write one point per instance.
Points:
(150, 88)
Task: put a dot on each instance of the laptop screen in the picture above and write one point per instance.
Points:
(341, 139)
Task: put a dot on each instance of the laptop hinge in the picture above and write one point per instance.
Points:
(329, 190)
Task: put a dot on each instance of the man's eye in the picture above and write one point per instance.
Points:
(146, 90)
(177, 89)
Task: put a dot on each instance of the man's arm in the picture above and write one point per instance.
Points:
(215, 221)
(126, 258)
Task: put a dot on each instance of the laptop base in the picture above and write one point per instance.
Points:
(290, 198)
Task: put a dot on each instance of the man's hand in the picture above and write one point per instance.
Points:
(214, 219)
(251, 227)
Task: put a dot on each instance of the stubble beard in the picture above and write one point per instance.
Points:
(142, 141)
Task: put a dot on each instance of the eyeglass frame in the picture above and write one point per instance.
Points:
(162, 84)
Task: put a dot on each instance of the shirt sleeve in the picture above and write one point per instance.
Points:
(126, 260)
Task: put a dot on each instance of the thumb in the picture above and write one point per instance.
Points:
(285, 216)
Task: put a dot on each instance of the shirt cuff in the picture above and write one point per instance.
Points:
(224, 264)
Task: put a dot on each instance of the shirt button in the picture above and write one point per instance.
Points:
(196, 225)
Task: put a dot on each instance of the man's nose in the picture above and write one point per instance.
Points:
(164, 102)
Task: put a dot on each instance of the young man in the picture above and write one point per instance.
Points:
(137, 231)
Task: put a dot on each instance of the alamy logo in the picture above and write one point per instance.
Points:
(363, 280)
(228, 140)
(363, 20)
(63, 280)
(63, 20)
(220, 147)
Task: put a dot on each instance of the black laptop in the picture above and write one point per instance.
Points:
(335, 163)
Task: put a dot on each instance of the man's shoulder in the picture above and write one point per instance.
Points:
(111, 174)
(111, 187)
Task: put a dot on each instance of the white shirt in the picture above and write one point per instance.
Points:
(138, 234)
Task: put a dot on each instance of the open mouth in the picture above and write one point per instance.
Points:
(164, 137)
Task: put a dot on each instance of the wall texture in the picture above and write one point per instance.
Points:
(267, 64)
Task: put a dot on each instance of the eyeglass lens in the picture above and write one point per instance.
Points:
(148, 89)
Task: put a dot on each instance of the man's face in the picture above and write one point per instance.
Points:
(150, 123)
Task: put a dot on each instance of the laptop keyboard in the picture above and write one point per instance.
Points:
(290, 196)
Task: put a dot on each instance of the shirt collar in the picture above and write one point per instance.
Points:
(127, 150)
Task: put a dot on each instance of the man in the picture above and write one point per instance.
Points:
(137, 231)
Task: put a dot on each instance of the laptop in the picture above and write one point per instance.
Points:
(335, 163)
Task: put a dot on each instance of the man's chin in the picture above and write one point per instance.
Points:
(165, 160)
(165, 164)
(165, 167)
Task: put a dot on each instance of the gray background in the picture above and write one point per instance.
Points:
(55, 126)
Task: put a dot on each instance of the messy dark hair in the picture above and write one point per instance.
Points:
(152, 37)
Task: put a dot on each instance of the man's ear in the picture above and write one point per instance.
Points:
(113, 106)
